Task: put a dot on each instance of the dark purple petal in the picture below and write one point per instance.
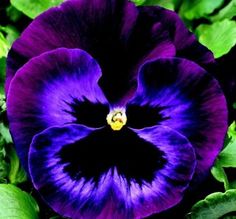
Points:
(62, 161)
(116, 33)
(179, 94)
(185, 42)
(55, 88)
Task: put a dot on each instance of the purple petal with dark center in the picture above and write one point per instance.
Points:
(179, 94)
(55, 88)
(116, 33)
(99, 173)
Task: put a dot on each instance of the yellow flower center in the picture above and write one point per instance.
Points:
(117, 119)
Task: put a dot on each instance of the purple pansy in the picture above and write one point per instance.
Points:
(110, 108)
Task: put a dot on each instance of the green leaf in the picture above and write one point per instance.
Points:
(169, 4)
(227, 157)
(194, 9)
(234, 105)
(6, 41)
(177, 3)
(2, 110)
(4, 46)
(214, 206)
(3, 163)
(232, 130)
(220, 175)
(3, 171)
(219, 37)
(5, 134)
(4, 168)
(17, 204)
(33, 8)
(2, 149)
(13, 13)
(138, 2)
(2, 75)
(233, 184)
(11, 33)
(16, 173)
(228, 12)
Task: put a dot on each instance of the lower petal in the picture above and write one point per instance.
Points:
(81, 174)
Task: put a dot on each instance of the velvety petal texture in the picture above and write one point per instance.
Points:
(117, 34)
(55, 152)
(111, 110)
(179, 94)
(48, 90)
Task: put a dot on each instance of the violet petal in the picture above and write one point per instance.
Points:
(111, 194)
(117, 34)
(46, 91)
(179, 94)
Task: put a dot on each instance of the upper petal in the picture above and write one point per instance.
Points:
(86, 173)
(55, 88)
(179, 94)
(117, 34)
(185, 42)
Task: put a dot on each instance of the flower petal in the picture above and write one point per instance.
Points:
(64, 162)
(55, 88)
(101, 28)
(117, 34)
(170, 183)
(179, 94)
(185, 42)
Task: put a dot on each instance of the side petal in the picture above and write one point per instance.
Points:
(179, 94)
(55, 88)
(81, 174)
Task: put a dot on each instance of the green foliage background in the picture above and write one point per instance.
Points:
(213, 23)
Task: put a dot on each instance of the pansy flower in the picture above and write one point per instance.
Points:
(110, 108)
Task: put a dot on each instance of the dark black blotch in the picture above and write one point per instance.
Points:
(92, 156)
(87, 113)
